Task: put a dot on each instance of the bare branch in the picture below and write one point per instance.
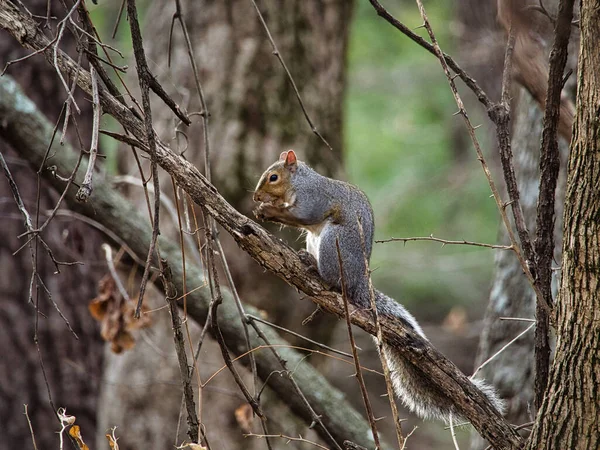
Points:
(358, 374)
(144, 76)
(85, 190)
(549, 169)
(446, 242)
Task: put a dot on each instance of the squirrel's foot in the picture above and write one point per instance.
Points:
(309, 260)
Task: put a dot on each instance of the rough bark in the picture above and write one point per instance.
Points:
(512, 372)
(511, 295)
(569, 415)
(69, 377)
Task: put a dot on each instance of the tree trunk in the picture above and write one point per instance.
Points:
(254, 115)
(512, 371)
(570, 414)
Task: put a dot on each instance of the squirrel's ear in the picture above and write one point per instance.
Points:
(291, 161)
(282, 156)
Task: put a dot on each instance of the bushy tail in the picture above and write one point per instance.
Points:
(414, 389)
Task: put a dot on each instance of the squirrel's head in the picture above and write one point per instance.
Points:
(275, 184)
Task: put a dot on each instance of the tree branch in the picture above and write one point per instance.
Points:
(549, 169)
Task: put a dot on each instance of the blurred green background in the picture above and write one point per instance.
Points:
(421, 179)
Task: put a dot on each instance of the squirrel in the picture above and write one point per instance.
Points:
(289, 192)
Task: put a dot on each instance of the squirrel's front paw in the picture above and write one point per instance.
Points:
(309, 260)
(259, 212)
(267, 211)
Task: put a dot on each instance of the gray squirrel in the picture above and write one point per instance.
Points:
(291, 193)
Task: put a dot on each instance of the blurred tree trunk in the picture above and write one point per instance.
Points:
(512, 372)
(569, 416)
(72, 366)
(254, 115)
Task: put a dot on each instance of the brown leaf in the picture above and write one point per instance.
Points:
(244, 417)
(115, 315)
(112, 441)
(75, 433)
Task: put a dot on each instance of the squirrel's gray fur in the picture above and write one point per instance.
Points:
(330, 209)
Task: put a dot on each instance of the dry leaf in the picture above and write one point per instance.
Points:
(115, 315)
(75, 433)
(112, 441)
(196, 446)
(244, 417)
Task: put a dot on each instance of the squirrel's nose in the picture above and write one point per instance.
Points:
(256, 197)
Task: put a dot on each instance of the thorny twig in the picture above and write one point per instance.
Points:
(445, 242)
(358, 371)
(384, 363)
(501, 112)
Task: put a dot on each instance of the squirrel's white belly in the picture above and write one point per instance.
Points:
(312, 244)
(313, 238)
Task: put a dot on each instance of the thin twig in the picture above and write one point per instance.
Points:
(15, 192)
(241, 311)
(504, 347)
(358, 372)
(30, 428)
(143, 77)
(298, 335)
(85, 190)
(289, 438)
(518, 319)
(289, 75)
(113, 272)
(125, 139)
(170, 291)
(447, 242)
(384, 363)
(453, 434)
(316, 418)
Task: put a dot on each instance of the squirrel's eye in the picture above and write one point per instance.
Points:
(273, 178)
